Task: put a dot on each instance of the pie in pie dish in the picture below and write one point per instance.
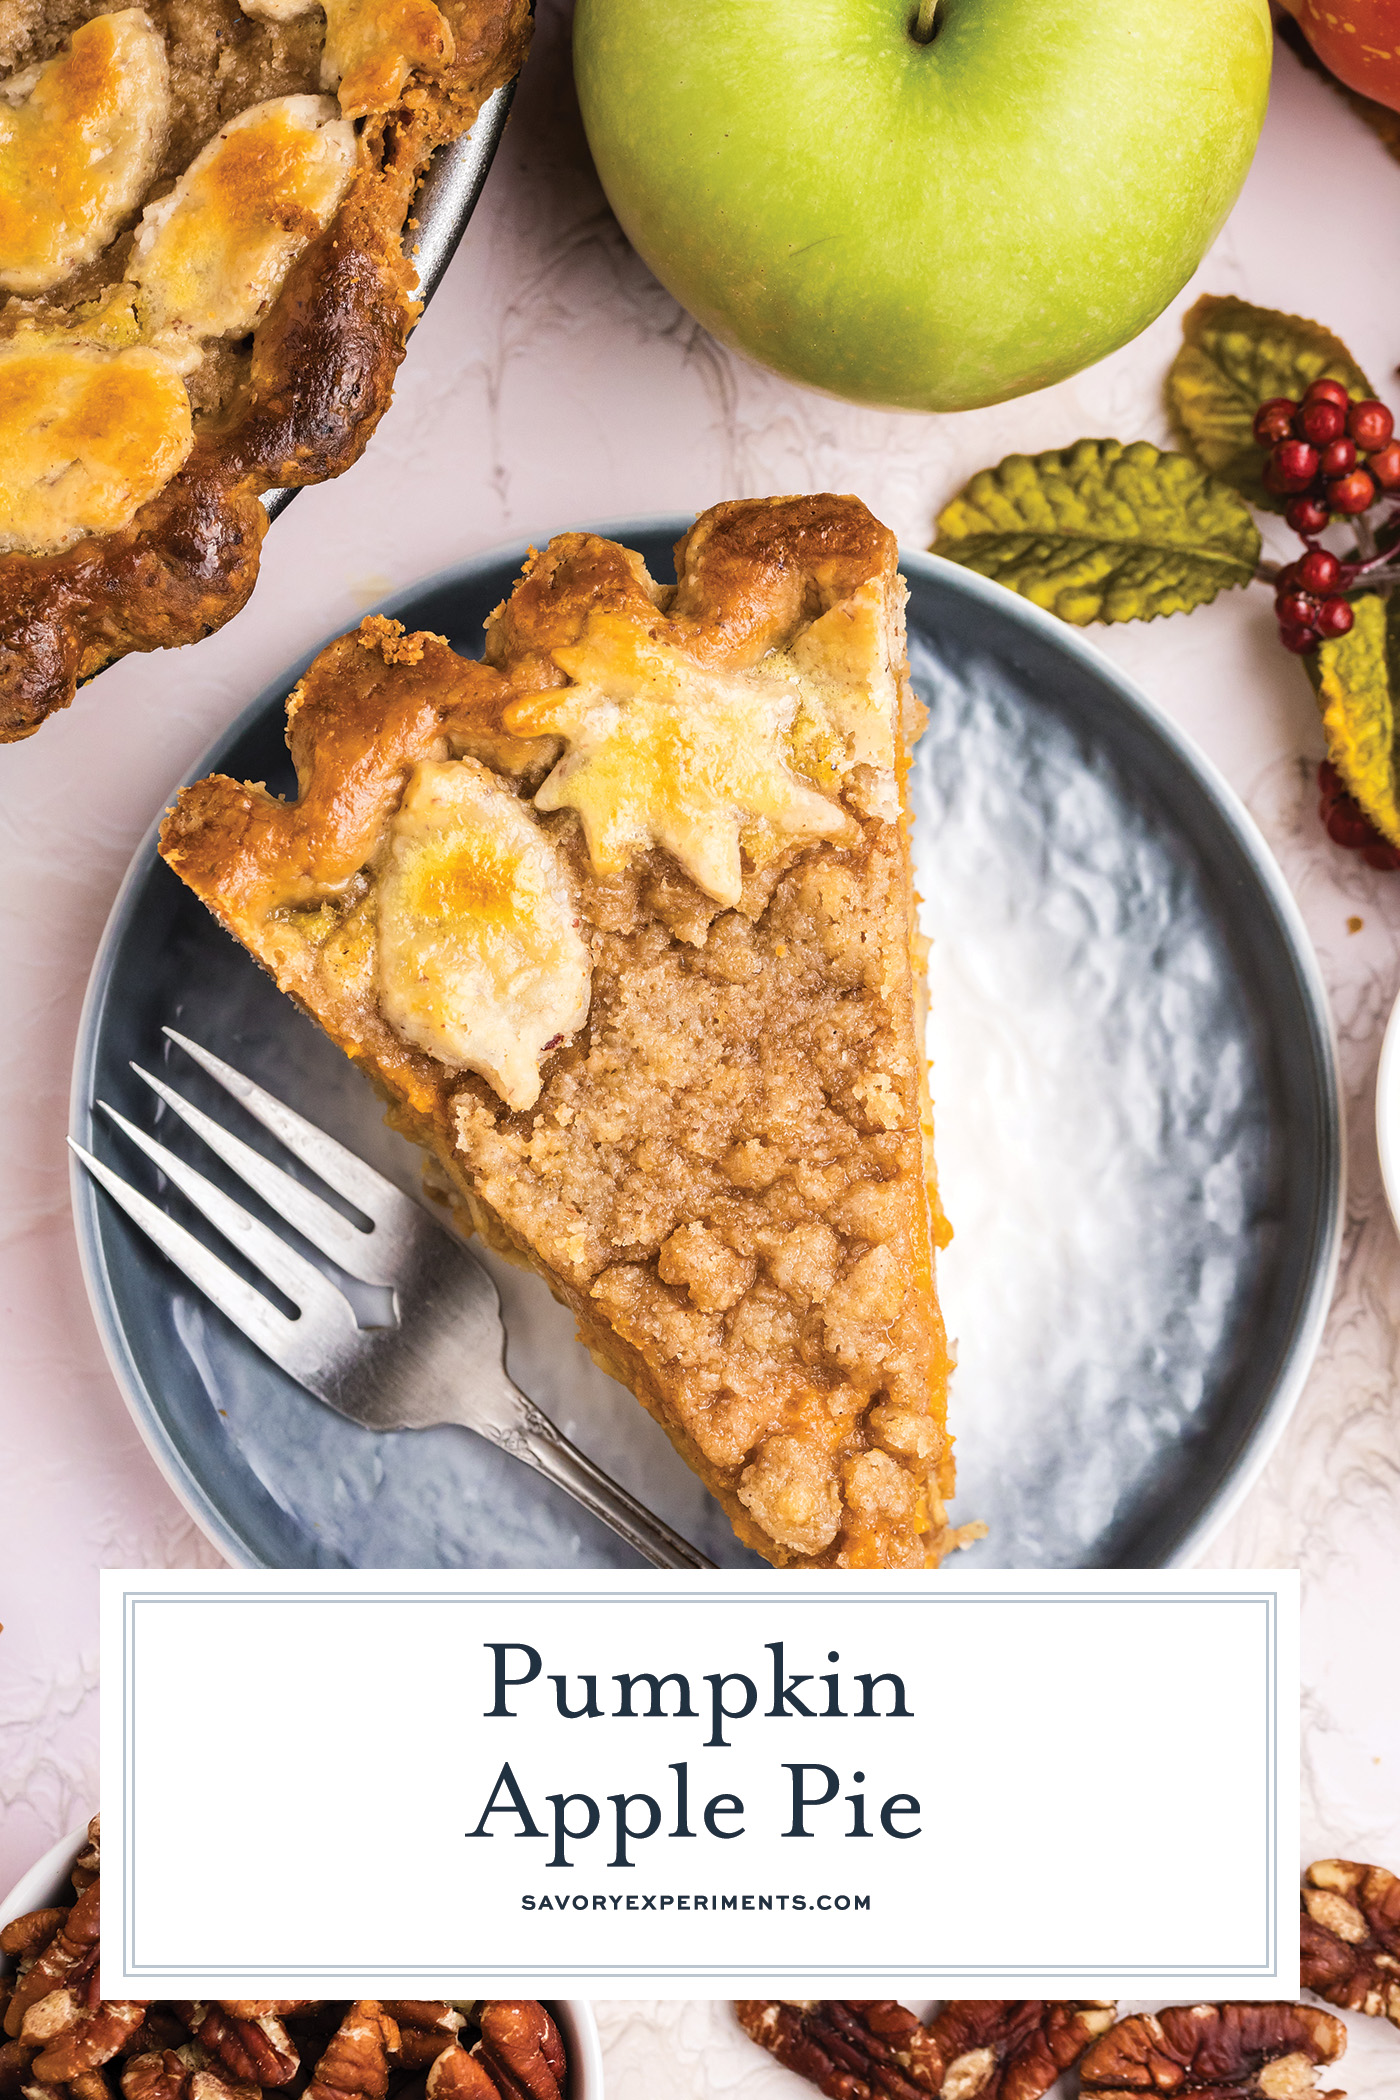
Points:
(203, 291)
(621, 922)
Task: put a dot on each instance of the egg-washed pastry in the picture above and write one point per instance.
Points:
(203, 291)
(621, 922)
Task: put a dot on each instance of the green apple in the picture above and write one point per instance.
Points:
(923, 224)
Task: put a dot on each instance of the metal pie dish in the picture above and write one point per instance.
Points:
(1139, 1142)
(445, 200)
(47, 1883)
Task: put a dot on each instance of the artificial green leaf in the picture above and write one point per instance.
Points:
(1356, 684)
(1234, 357)
(1102, 531)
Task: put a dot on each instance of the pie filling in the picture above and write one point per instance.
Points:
(621, 922)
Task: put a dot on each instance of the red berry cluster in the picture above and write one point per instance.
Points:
(1309, 606)
(1347, 823)
(1315, 448)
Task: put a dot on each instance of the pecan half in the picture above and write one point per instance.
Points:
(65, 1961)
(90, 2085)
(36, 2090)
(1217, 2052)
(23, 1937)
(851, 2049)
(77, 2037)
(426, 2027)
(521, 2048)
(213, 2081)
(258, 2051)
(355, 2062)
(186, 2073)
(1350, 1930)
(1014, 2048)
(458, 2075)
(15, 2060)
(265, 2008)
(158, 2031)
(158, 2074)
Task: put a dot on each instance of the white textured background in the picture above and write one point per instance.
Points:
(553, 381)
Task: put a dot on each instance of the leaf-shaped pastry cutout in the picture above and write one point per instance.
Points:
(81, 137)
(372, 47)
(1234, 357)
(1354, 679)
(209, 259)
(480, 960)
(1102, 531)
(86, 437)
(664, 751)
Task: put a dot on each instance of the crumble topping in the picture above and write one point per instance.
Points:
(480, 959)
(80, 139)
(87, 436)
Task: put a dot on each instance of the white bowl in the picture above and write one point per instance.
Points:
(1388, 1112)
(47, 1882)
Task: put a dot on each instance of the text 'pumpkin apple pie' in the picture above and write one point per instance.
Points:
(621, 922)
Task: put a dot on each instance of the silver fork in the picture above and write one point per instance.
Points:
(443, 1359)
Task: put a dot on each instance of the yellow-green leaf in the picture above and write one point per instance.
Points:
(1354, 680)
(1102, 531)
(1234, 357)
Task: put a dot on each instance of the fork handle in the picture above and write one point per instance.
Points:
(541, 1445)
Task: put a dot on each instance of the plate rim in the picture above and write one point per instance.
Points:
(1314, 1302)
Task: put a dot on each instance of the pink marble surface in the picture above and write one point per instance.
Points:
(554, 381)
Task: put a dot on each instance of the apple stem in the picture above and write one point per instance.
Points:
(926, 21)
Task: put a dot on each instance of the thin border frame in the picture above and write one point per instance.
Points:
(1265, 1972)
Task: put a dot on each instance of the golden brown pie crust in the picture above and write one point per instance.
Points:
(727, 1175)
(321, 376)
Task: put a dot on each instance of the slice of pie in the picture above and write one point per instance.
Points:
(621, 922)
(203, 291)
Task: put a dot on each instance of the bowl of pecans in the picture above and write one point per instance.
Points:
(60, 2040)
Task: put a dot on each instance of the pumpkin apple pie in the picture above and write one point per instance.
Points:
(203, 291)
(620, 920)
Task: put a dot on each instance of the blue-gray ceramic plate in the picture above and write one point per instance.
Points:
(1138, 1137)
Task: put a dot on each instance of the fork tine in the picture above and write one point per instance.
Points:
(266, 1327)
(300, 1206)
(339, 1168)
(322, 1306)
